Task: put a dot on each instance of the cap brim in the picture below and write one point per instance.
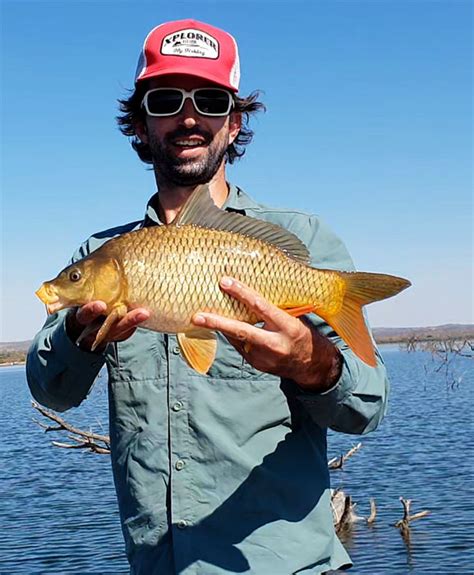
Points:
(185, 71)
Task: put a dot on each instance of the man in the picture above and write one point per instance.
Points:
(223, 473)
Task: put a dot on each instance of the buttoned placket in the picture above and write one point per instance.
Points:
(179, 443)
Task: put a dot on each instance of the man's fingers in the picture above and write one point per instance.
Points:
(263, 309)
(126, 326)
(234, 330)
(123, 329)
(243, 347)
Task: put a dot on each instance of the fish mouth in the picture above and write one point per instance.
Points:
(48, 295)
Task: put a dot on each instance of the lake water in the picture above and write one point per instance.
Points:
(58, 512)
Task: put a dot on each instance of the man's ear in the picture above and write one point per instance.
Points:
(235, 123)
(141, 131)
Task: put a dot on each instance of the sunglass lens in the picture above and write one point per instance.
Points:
(212, 102)
(164, 102)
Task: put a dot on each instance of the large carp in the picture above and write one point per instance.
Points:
(174, 272)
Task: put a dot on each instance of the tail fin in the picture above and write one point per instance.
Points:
(361, 288)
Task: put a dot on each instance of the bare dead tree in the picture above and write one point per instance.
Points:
(404, 524)
(445, 354)
(343, 510)
(338, 462)
(373, 512)
(83, 439)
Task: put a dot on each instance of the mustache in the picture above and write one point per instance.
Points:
(187, 133)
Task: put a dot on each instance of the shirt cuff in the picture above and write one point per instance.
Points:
(84, 365)
(324, 406)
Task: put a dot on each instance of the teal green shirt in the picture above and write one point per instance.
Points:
(222, 473)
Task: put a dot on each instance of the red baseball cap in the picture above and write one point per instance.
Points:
(193, 48)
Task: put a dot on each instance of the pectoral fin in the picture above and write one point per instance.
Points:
(90, 328)
(114, 316)
(198, 348)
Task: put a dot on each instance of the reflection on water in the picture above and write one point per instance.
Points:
(57, 507)
(421, 452)
(59, 515)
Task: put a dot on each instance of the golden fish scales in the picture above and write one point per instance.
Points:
(175, 271)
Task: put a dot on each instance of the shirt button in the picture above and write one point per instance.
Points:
(178, 406)
(182, 524)
(179, 464)
(176, 350)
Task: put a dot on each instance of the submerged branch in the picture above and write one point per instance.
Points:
(343, 511)
(444, 353)
(404, 523)
(343, 508)
(373, 512)
(93, 442)
(338, 462)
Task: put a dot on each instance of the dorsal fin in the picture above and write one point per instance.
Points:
(201, 211)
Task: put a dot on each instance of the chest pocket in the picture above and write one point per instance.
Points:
(143, 357)
(140, 357)
(229, 364)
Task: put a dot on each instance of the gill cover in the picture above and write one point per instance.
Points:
(92, 278)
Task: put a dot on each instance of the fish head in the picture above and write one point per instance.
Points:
(90, 279)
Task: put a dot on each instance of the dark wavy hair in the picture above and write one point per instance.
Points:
(132, 113)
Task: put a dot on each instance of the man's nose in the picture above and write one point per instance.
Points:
(188, 115)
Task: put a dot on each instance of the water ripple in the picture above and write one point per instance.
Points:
(54, 521)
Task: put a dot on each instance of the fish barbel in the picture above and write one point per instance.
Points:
(174, 272)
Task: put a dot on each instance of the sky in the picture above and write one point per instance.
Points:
(368, 125)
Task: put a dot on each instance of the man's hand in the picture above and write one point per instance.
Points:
(79, 318)
(286, 346)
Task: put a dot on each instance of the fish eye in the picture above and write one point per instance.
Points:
(75, 276)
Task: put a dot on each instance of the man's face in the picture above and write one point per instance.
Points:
(188, 149)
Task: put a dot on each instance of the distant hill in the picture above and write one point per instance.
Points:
(438, 332)
(15, 351)
(14, 345)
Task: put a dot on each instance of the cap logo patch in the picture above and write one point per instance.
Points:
(191, 43)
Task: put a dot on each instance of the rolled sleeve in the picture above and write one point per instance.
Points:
(60, 374)
(357, 403)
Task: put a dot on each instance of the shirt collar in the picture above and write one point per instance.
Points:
(237, 201)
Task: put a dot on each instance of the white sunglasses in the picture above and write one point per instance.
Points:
(170, 101)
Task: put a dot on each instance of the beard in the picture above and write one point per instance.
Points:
(187, 171)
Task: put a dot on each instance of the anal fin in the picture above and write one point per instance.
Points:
(198, 347)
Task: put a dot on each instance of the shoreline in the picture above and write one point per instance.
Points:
(380, 342)
(12, 363)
